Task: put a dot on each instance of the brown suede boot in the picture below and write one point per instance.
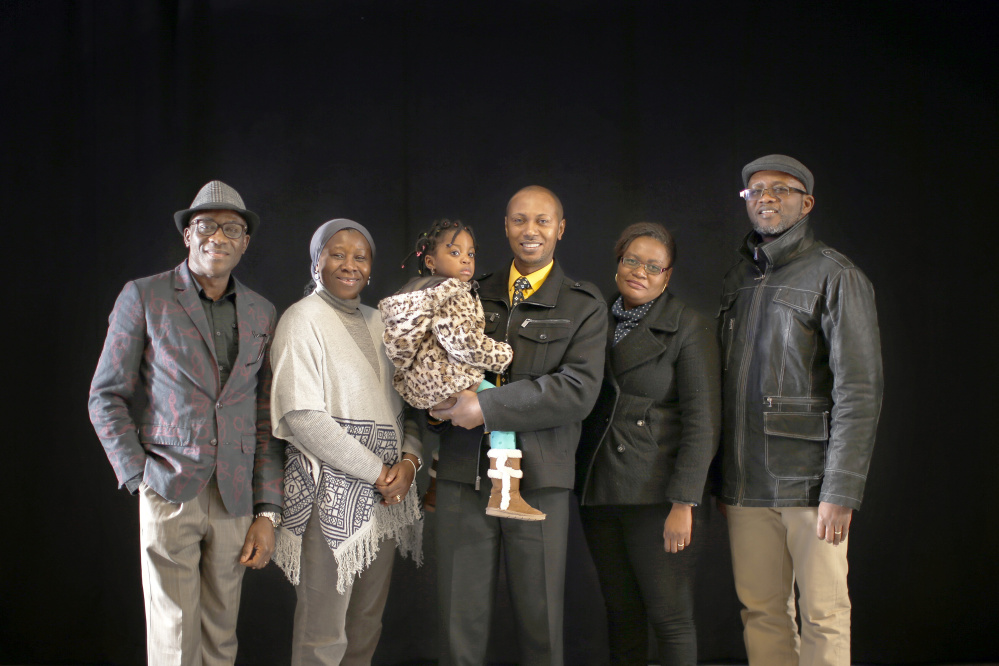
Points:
(430, 498)
(505, 500)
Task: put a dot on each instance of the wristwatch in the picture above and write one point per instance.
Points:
(272, 516)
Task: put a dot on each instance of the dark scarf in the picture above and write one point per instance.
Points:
(628, 319)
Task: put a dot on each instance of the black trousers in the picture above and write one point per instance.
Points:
(642, 583)
(468, 560)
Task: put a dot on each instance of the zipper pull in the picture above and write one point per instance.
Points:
(769, 401)
(731, 324)
(477, 479)
(526, 322)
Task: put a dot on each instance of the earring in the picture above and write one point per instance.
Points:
(432, 271)
(615, 277)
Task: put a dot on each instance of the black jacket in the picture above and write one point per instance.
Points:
(802, 375)
(655, 428)
(557, 336)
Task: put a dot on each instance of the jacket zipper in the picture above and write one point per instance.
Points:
(528, 321)
(747, 360)
(782, 400)
(731, 341)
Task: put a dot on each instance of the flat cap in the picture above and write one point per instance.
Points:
(781, 163)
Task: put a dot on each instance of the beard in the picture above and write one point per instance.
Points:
(775, 230)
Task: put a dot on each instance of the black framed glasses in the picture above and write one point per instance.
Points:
(233, 230)
(779, 191)
(650, 269)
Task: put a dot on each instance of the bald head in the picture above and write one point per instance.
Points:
(534, 224)
(538, 189)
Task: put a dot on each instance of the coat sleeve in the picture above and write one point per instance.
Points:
(850, 326)
(115, 382)
(459, 326)
(268, 459)
(565, 394)
(698, 383)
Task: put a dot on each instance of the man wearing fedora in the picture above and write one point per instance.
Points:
(802, 389)
(181, 402)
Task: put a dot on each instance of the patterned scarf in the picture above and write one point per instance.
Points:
(628, 319)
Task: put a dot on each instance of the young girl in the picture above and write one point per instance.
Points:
(435, 336)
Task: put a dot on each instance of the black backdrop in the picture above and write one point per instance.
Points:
(396, 112)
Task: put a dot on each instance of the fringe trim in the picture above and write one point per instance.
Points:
(402, 522)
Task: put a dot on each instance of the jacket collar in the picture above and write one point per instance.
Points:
(642, 344)
(792, 243)
(187, 295)
(497, 287)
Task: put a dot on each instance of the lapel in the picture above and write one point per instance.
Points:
(191, 302)
(245, 309)
(646, 341)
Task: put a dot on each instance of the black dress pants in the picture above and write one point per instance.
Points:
(468, 560)
(642, 583)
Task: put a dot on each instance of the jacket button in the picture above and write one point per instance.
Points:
(620, 448)
(543, 336)
(640, 422)
(214, 442)
(218, 405)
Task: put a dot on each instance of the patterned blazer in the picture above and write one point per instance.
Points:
(157, 407)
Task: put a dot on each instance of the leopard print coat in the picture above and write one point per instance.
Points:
(434, 334)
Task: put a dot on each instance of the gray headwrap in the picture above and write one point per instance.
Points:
(326, 232)
(781, 163)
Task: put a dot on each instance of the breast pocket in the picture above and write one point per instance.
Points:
(545, 341)
(258, 347)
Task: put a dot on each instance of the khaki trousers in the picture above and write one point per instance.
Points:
(772, 549)
(191, 578)
(333, 628)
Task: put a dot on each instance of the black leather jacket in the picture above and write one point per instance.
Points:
(802, 377)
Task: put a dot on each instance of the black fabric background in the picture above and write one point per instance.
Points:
(396, 112)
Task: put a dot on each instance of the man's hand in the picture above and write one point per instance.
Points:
(465, 412)
(397, 482)
(676, 530)
(259, 544)
(834, 522)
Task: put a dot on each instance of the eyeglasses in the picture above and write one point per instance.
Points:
(650, 269)
(232, 230)
(779, 191)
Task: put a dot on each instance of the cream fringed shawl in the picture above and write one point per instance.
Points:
(318, 366)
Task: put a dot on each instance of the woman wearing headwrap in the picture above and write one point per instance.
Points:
(350, 465)
(644, 453)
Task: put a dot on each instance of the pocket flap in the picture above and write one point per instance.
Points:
(544, 332)
(803, 301)
(801, 425)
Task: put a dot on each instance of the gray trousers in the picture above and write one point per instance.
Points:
(468, 560)
(191, 578)
(333, 628)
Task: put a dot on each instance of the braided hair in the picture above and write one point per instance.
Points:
(443, 230)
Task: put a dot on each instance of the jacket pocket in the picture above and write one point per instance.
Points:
(548, 339)
(796, 443)
(259, 348)
(249, 443)
(726, 326)
(165, 435)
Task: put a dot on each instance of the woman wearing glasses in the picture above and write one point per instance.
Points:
(645, 451)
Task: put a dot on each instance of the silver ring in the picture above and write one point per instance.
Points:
(398, 498)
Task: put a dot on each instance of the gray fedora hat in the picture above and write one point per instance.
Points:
(216, 195)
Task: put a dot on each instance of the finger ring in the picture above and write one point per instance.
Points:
(679, 545)
(838, 533)
(398, 498)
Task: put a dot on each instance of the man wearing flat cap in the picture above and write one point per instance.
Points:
(181, 402)
(802, 396)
